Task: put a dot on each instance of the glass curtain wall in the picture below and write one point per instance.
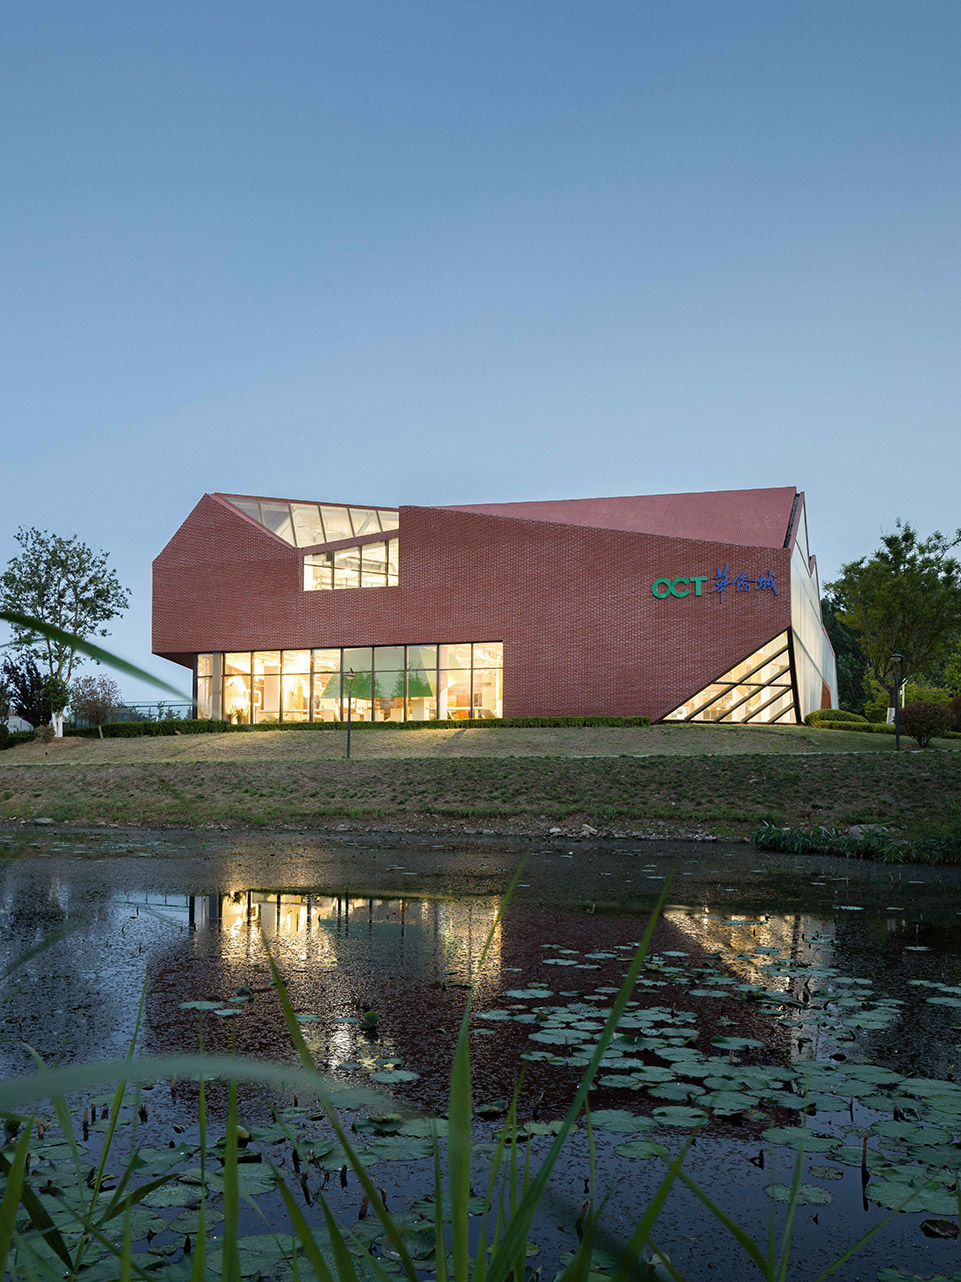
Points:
(384, 683)
(758, 689)
(304, 525)
(371, 565)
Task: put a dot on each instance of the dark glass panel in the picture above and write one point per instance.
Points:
(389, 656)
(360, 658)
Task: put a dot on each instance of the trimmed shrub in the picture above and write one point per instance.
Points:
(15, 737)
(926, 721)
(199, 725)
(4, 735)
(821, 715)
(955, 706)
(858, 727)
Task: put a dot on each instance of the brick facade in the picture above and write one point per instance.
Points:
(572, 604)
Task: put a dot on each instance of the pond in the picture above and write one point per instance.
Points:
(785, 1006)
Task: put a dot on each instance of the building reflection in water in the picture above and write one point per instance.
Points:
(752, 950)
(450, 934)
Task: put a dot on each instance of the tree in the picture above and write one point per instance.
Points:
(24, 680)
(852, 662)
(952, 670)
(95, 699)
(65, 584)
(905, 599)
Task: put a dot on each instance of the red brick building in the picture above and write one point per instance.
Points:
(673, 606)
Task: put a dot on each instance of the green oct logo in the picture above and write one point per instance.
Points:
(662, 588)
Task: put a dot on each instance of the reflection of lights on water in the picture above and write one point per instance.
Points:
(743, 937)
(455, 932)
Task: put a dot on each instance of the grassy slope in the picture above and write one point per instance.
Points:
(716, 778)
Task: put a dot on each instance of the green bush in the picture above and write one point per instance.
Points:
(926, 721)
(955, 706)
(15, 737)
(4, 735)
(821, 715)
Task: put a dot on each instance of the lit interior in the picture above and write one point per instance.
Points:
(758, 689)
(382, 683)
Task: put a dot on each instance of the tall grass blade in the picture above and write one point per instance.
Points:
(17, 1093)
(230, 1266)
(460, 1114)
(302, 1230)
(519, 1227)
(440, 1239)
(789, 1223)
(344, 1264)
(865, 1238)
(11, 1196)
(580, 1266)
(626, 1265)
(81, 644)
(199, 1266)
(356, 1165)
(733, 1228)
(39, 1217)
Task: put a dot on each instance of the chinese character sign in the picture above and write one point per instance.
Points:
(721, 581)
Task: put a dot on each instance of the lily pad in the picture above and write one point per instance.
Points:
(619, 1119)
(640, 1149)
(677, 1115)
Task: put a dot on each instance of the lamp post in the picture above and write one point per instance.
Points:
(896, 660)
(349, 678)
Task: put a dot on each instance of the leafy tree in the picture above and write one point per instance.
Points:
(852, 662)
(25, 682)
(65, 585)
(905, 599)
(57, 694)
(95, 699)
(952, 670)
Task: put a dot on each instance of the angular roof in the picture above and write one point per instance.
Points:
(753, 518)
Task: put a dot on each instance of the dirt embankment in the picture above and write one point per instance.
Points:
(721, 795)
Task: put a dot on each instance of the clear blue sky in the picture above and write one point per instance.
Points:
(432, 252)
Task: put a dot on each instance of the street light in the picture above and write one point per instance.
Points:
(896, 660)
(349, 677)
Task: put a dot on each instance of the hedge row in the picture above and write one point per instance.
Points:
(171, 726)
(874, 727)
(822, 715)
